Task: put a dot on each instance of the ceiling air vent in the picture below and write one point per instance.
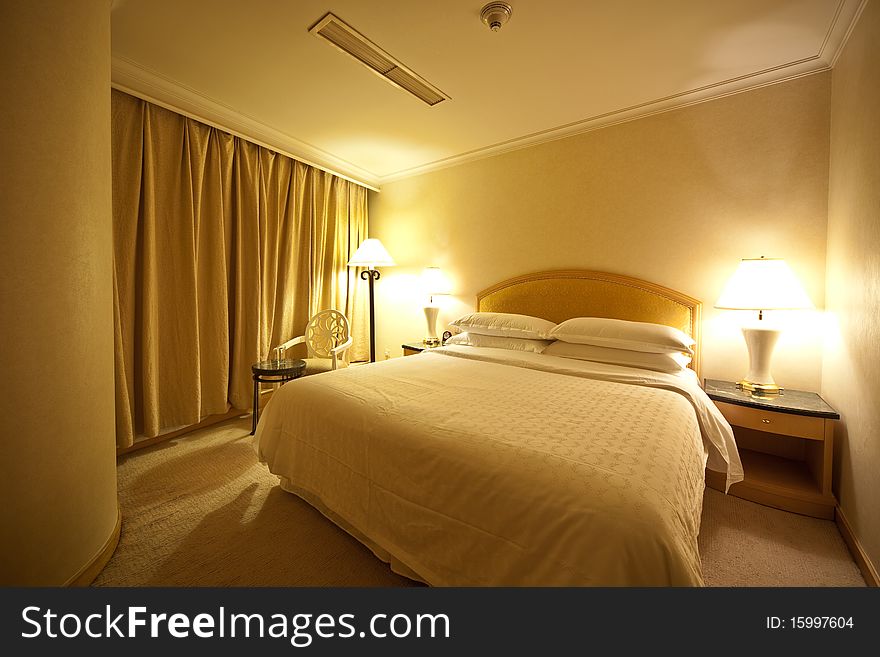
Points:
(344, 37)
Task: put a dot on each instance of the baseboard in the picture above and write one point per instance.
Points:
(869, 572)
(208, 421)
(90, 571)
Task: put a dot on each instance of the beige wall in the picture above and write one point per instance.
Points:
(851, 372)
(58, 483)
(676, 198)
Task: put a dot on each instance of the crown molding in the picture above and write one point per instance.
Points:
(145, 83)
(668, 104)
(845, 17)
(140, 81)
(844, 28)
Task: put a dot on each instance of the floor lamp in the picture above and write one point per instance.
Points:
(371, 254)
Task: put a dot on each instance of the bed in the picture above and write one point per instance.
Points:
(470, 466)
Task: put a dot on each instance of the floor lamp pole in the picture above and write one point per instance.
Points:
(371, 275)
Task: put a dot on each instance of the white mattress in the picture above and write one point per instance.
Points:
(465, 466)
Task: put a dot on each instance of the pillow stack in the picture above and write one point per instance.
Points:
(614, 341)
(621, 342)
(503, 331)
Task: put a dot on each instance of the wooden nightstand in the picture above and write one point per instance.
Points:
(786, 444)
(417, 347)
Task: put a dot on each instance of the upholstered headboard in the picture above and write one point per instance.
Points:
(561, 295)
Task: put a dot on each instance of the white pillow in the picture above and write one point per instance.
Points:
(622, 334)
(671, 362)
(499, 342)
(505, 324)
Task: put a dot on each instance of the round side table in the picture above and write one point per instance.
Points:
(273, 371)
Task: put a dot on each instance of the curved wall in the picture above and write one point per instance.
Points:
(58, 481)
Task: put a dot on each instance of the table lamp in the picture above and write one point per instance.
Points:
(762, 284)
(435, 284)
(371, 254)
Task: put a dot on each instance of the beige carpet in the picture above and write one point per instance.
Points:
(201, 511)
(746, 544)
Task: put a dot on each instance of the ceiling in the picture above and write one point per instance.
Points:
(557, 68)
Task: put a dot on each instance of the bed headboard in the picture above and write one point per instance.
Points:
(561, 295)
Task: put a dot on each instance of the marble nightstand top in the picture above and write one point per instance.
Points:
(797, 402)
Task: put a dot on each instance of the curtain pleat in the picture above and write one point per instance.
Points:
(222, 250)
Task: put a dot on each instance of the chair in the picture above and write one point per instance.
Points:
(327, 338)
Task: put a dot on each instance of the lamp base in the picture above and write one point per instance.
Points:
(760, 341)
(432, 339)
(760, 389)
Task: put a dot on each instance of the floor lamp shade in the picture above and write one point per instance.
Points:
(371, 254)
(435, 284)
(762, 284)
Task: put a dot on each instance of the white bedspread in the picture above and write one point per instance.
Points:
(467, 467)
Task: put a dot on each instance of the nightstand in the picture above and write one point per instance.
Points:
(786, 444)
(273, 371)
(417, 347)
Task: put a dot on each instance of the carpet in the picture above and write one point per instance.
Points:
(200, 510)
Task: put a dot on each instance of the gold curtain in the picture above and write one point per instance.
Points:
(222, 250)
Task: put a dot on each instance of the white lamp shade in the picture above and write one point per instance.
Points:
(763, 284)
(434, 282)
(371, 254)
